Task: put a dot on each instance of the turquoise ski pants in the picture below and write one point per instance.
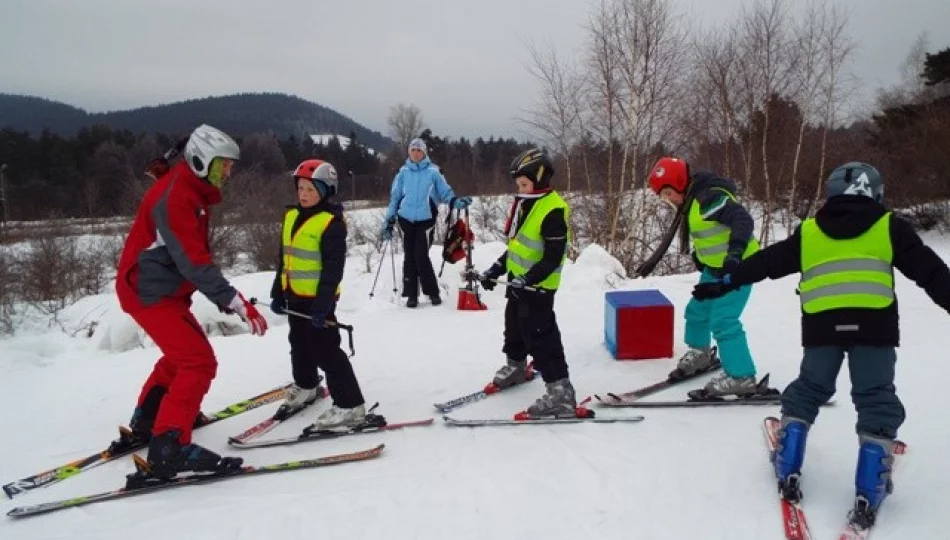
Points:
(719, 319)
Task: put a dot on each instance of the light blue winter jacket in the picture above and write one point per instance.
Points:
(414, 186)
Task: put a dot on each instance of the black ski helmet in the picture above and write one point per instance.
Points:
(534, 164)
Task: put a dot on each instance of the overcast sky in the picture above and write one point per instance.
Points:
(462, 62)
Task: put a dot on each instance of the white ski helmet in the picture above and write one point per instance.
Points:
(207, 143)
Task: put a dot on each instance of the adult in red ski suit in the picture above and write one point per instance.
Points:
(167, 258)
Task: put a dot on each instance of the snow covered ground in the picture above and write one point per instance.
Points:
(679, 474)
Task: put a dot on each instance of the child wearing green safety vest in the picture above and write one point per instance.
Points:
(846, 255)
(721, 233)
(537, 230)
(306, 288)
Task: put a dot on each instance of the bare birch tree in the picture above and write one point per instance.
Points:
(557, 116)
(405, 122)
(837, 50)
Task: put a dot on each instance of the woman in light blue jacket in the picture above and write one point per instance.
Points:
(417, 190)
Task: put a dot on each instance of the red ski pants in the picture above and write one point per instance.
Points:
(185, 370)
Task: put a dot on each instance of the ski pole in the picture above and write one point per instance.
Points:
(382, 257)
(525, 287)
(392, 254)
(332, 324)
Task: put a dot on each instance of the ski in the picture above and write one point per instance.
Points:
(675, 378)
(278, 418)
(861, 519)
(120, 448)
(793, 516)
(729, 402)
(374, 424)
(195, 478)
(581, 415)
(490, 389)
(725, 402)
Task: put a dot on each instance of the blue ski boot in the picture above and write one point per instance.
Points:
(872, 480)
(789, 455)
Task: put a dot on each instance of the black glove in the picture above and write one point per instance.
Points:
(696, 262)
(277, 306)
(714, 289)
(487, 277)
(731, 263)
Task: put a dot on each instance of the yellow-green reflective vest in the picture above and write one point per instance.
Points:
(527, 247)
(711, 238)
(849, 273)
(303, 261)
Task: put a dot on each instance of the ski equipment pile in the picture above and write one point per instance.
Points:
(196, 478)
(118, 448)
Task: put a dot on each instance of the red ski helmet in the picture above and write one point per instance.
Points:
(669, 171)
(319, 172)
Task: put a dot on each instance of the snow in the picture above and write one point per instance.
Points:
(325, 138)
(678, 474)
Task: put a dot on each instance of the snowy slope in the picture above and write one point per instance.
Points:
(678, 474)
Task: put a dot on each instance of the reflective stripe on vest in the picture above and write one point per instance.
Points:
(711, 238)
(527, 247)
(848, 273)
(303, 261)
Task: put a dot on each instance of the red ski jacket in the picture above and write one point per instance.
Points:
(167, 255)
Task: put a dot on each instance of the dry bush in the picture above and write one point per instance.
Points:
(8, 286)
(60, 273)
(263, 244)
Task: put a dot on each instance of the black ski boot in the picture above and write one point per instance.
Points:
(167, 457)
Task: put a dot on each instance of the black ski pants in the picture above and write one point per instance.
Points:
(312, 348)
(531, 329)
(416, 266)
(880, 412)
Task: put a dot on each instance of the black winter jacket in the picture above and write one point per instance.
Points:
(842, 217)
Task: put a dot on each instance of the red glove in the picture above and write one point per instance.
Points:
(249, 314)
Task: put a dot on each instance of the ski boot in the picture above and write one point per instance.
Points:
(167, 457)
(695, 361)
(872, 480)
(558, 401)
(336, 418)
(739, 388)
(512, 373)
(788, 457)
(139, 432)
(297, 398)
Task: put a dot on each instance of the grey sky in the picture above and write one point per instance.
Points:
(461, 62)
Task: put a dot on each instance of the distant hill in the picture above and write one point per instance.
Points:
(237, 114)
